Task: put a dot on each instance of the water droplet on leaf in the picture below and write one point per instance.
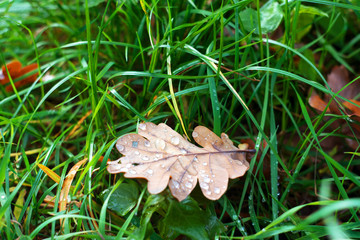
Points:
(175, 140)
(204, 186)
(120, 147)
(160, 144)
(176, 184)
(207, 180)
(142, 126)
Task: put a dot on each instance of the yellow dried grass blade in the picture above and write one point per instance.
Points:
(29, 152)
(67, 184)
(19, 203)
(176, 108)
(77, 126)
(50, 173)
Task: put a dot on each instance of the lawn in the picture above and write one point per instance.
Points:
(278, 77)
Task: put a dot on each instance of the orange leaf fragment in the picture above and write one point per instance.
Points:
(16, 71)
(355, 109)
(164, 157)
(316, 102)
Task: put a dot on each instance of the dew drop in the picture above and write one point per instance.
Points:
(207, 180)
(142, 126)
(137, 153)
(204, 163)
(208, 192)
(195, 134)
(204, 186)
(163, 165)
(128, 165)
(217, 190)
(188, 185)
(176, 184)
(160, 144)
(115, 167)
(183, 151)
(175, 140)
(147, 144)
(240, 163)
(120, 147)
(132, 172)
(145, 158)
(150, 171)
(135, 144)
(158, 155)
(195, 159)
(123, 169)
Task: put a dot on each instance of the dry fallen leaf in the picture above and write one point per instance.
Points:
(66, 186)
(164, 157)
(337, 80)
(316, 102)
(17, 71)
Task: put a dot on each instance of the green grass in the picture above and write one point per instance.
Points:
(186, 63)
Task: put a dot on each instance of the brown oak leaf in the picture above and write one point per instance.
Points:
(337, 80)
(163, 157)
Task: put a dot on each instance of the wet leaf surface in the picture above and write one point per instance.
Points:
(164, 157)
